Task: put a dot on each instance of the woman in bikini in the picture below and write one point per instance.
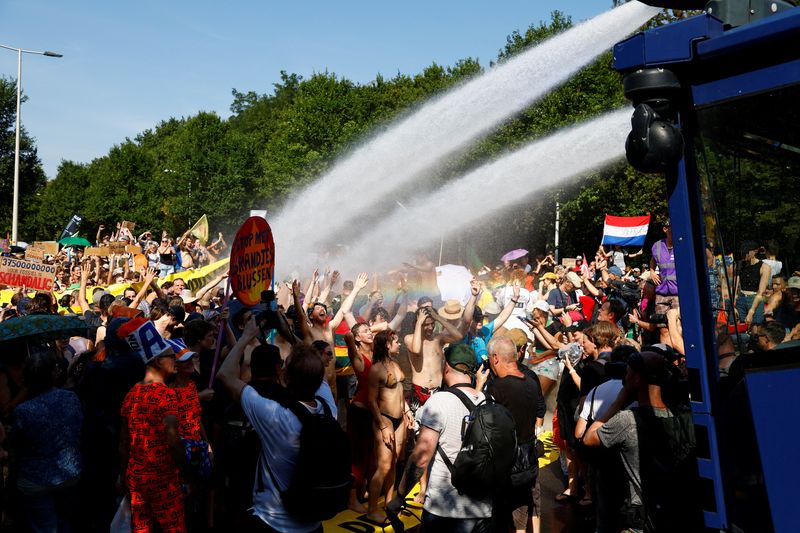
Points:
(391, 417)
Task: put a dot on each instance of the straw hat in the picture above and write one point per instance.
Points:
(452, 310)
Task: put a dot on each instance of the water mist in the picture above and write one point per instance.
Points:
(566, 154)
(441, 127)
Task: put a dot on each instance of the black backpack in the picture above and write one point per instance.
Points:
(320, 484)
(488, 448)
(668, 469)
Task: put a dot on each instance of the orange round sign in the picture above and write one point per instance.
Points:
(252, 260)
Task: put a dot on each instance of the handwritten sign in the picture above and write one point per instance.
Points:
(39, 249)
(113, 248)
(569, 262)
(20, 273)
(252, 260)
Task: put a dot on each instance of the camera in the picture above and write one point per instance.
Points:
(659, 319)
(268, 319)
(572, 350)
(626, 291)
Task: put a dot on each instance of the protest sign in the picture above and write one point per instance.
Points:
(113, 248)
(252, 260)
(39, 249)
(20, 273)
(569, 262)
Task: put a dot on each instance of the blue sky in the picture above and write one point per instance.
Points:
(128, 65)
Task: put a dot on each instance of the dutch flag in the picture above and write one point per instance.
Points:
(625, 231)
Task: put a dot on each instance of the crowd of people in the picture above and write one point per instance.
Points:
(201, 410)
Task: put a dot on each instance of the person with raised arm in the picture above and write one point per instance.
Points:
(426, 353)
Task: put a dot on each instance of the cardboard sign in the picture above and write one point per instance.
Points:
(113, 248)
(569, 262)
(39, 249)
(252, 260)
(34, 254)
(20, 273)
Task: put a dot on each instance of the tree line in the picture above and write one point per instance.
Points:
(276, 142)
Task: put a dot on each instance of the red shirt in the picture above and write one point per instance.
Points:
(188, 412)
(145, 407)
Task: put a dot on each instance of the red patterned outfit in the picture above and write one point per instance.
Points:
(189, 412)
(152, 476)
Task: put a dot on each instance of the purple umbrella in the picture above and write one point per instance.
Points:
(514, 254)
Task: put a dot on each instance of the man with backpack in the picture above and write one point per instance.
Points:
(303, 472)
(453, 501)
(656, 445)
(522, 396)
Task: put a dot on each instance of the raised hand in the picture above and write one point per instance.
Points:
(361, 281)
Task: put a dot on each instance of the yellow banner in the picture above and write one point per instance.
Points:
(194, 280)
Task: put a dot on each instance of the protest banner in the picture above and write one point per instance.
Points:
(113, 248)
(21, 273)
(39, 249)
(252, 260)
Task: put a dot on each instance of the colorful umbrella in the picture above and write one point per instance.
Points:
(42, 326)
(514, 254)
(74, 241)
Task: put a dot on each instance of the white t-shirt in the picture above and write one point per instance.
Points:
(444, 413)
(604, 396)
(279, 431)
(522, 301)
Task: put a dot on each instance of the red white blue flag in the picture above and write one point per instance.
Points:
(625, 231)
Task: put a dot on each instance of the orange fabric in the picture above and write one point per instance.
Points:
(189, 412)
(152, 475)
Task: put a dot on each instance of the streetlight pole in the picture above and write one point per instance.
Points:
(15, 208)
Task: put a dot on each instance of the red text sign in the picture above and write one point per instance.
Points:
(252, 260)
(19, 273)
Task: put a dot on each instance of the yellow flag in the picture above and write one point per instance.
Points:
(200, 230)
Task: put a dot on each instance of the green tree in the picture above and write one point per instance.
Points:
(31, 175)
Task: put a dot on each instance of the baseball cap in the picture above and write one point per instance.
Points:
(794, 282)
(615, 270)
(461, 357)
(182, 352)
(549, 275)
(519, 337)
(541, 305)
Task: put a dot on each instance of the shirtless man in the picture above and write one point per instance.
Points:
(391, 417)
(426, 353)
(318, 328)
